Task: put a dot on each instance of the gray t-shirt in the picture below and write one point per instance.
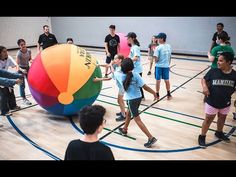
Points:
(23, 58)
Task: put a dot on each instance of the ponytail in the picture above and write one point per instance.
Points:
(127, 80)
(126, 67)
(136, 42)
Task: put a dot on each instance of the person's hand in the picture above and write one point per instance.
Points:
(155, 97)
(206, 91)
(19, 81)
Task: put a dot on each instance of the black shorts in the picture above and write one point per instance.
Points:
(109, 59)
(133, 106)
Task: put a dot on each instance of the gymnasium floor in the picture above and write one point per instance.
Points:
(33, 133)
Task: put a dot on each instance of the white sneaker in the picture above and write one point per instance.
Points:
(27, 102)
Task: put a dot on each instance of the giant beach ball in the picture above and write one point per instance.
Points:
(61, 79)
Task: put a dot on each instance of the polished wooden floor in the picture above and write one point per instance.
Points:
(33, 133)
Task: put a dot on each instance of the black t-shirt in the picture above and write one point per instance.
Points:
(215, 37)
(80, 150)
(221, 86)
(47, 41)
(112, 43)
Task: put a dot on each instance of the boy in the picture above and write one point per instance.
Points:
(162, 55)
(88, 147)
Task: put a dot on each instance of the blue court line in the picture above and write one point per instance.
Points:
(152, 150)
(183, 114)
(30, 141)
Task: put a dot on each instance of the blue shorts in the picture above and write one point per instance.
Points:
(161, 73)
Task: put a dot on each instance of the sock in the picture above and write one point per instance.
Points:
(168, 93)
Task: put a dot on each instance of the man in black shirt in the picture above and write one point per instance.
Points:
(46, 39)
(218, 87)
(89, 147)
(112, 45)
(215, 40)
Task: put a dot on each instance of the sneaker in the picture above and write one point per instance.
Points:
(1, 125)
(8, 113)
(27, 102)
(149, 73)
(118, 114)
(16, 108)
(222, 136)
(234, 115)
(150, 142)
(121, 118)
(122, 131)
(169, 97)
(202, 141)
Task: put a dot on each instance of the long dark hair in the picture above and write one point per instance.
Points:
(126, 67)
(2, 48)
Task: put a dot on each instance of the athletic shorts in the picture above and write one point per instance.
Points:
(133, 106)
(161, 73)
(210, 110)
(109, 59)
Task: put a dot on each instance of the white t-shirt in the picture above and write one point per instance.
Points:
(9, 62)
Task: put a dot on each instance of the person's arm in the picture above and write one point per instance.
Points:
(106, 49)
(205, 87)
(156, 55)
(136, 54)
(97, 79)
(118, 47)
(210, 57)
(148, 89)
(55, 39)
(9, 82)
(9, 75)
(39, 44)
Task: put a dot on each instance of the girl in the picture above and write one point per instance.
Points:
(131, 82)
(23, 57)
(218, 86)
(8, 99)
(116, 69)
(223, 47)
(151, 48)
(135, 55)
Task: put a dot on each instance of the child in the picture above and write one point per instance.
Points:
(135, 55)
(131, 82)
(89, 147)
(162, 55)
(151, 48)
(69, 41)
(116, 68)
(23, 57)
(216, 51)
(7, 92)
(7, 79)
(218, 86)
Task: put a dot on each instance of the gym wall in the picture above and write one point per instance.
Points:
(190, 35)
(28, 28)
